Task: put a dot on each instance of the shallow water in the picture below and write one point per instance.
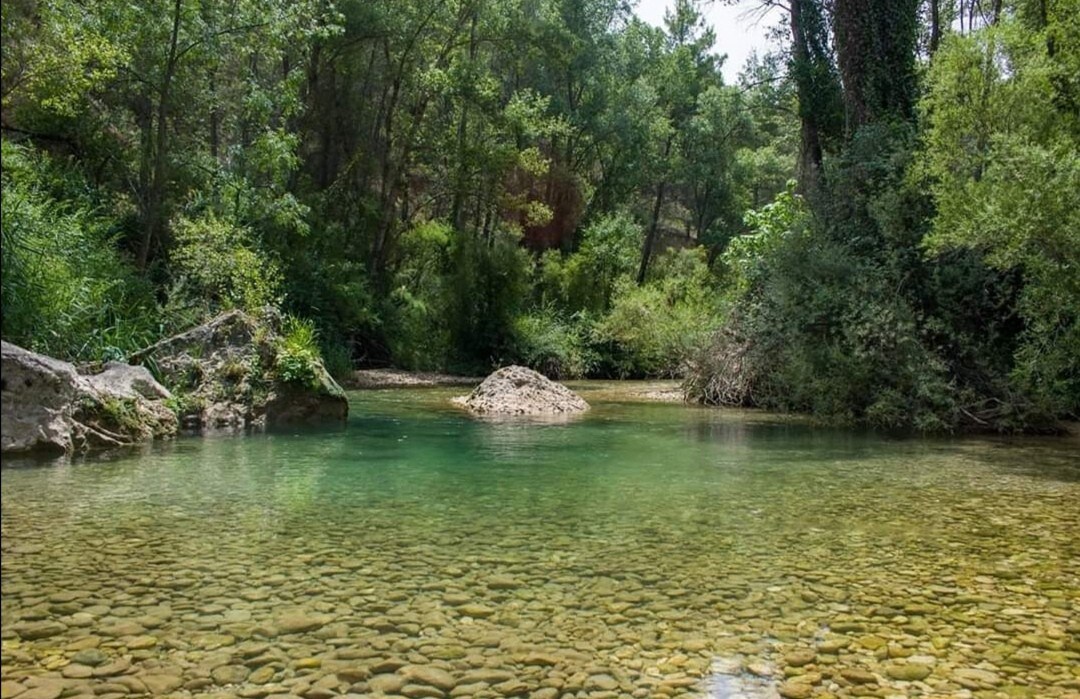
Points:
(642, 550)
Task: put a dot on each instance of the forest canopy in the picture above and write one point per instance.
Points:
(876, 223)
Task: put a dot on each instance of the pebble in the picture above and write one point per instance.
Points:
(601, 682)
(37, 630)
(300, 623)
(161, 684)
(800, 658)
(429, 675)
(908, 672)
(90, 656)
(49, 691)
(386, 684)
(795, 690)
(858, 676)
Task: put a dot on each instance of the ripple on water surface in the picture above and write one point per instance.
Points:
(644, 550)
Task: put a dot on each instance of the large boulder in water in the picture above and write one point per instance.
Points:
(48, 406)
(515, 390)
(233, 372)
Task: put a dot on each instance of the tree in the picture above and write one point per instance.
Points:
(1002, 155)
(683, 75)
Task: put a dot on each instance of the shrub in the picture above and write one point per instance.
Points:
(217, 266)
(486, 288)
(67, 291)
(337, 358)
(553, 345)
(297, 352)
(417, 325)
(653, 329)
(586, 279)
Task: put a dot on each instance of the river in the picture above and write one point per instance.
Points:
(643, 550)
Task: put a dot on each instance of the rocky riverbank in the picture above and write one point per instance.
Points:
(398, 378)
(48, 406)
(227, 373)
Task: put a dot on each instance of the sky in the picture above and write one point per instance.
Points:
(739, 30)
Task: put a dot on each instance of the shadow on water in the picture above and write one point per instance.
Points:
(1045, 458)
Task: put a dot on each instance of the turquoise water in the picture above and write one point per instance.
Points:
(644, 549)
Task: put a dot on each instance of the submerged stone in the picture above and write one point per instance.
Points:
(908, 672)
(35, 630)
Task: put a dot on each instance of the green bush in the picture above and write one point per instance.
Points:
(337, 358)
(553, 345)
(651, 330)
(67, 290)
(217, 266)
(840, 316)
(586, 279)
(416, 319)
(487, 287)
(297, 352)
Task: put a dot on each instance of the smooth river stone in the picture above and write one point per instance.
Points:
(387, 666)
(37, 630)
(46, 691)
(602, 682)
(858, 676)
(229, 674)
(161, 684)
(456, 598)
(486, 675)
(479, 611)
(386, 683)
(261, 676)
(798, 658)
(10, 689)
(795, 690)
(90, 656)
(974, 678)
(416, 691)
(77, 672)
(122, 628)
(300, 623)
(430, 675)
(908, 672)
(116, 667)
(141, 642)
(80, 619)
(503, 582)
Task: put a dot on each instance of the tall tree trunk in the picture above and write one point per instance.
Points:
(876, 43)
(154, 220)
(811, 152)
(654, 224)
(462, 133)
(935, 26)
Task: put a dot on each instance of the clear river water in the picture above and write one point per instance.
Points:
(643, 550)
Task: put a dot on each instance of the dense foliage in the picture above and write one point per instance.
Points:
(455, 185)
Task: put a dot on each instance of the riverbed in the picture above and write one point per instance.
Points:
(645, 549)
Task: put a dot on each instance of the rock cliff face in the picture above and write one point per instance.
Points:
(47, 406)
(515, 390)
(226, 375)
